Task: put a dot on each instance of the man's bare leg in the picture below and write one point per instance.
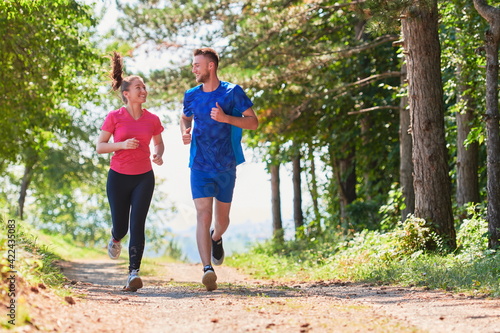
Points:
(221, 219)
(204, 221)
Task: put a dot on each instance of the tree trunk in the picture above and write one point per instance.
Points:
(276, 201)
(314, 186)
(405, 153)
(25, 183)
(298, 217)
(425, 94)
(345, 172)
(492, 15)
(314, 226)
(467, 158)
(365, 124)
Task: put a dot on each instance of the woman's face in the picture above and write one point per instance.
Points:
(136, 93)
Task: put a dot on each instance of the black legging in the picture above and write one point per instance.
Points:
(129, 197)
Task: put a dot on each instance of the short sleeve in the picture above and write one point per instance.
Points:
(242, 102)
(109, 124)
(158, 127)
(188, 111)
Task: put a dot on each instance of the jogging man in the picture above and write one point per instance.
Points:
(220, 110)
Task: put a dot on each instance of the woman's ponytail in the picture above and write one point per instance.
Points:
(116, 70)
(118, 81)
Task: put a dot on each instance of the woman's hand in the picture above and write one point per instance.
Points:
(130, 144)
(157, 159)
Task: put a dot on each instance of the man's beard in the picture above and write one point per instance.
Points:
(203, 78)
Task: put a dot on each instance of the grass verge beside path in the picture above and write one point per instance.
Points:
(28, 263)
(372, 257)
(30, 260)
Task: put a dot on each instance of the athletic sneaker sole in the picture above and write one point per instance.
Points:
(116, 255)
(209, 280)
(218, 262)
(134, 285)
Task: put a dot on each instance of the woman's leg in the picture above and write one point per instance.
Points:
(119, 195)
(141, 200)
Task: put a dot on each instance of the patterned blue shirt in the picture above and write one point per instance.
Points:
(215, 146)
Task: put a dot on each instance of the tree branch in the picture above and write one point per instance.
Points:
(381, 107)
(367, 80)
(490, 14)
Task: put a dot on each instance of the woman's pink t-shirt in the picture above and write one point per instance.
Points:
(122, 126)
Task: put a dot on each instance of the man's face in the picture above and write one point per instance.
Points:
(200, 69)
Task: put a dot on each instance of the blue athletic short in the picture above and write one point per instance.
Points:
(213, 184)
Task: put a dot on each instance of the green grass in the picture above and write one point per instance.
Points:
(26, 262)
(382, 258)
(36, 257)
(66, 248)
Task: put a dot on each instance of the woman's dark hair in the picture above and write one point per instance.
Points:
(118, 81)
(210, 53)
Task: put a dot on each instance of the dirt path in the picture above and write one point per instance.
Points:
(176, 302)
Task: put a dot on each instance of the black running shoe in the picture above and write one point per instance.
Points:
(209, 278)
(217, 251)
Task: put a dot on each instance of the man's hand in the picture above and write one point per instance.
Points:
(218, 114)
(186, 137)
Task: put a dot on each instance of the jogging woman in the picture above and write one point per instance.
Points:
(131, 180)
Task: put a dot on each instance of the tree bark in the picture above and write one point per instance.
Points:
(405, 154)
(345, 172)
(365, 123)
(313, 189)
(276, 201)
(425, 95)
(492, 15)
(298, 217)
(25, 183)
(467, 157)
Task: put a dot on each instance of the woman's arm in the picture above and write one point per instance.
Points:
(159, 149)
(104, 146)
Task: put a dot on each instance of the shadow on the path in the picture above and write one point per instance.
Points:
(97, 272)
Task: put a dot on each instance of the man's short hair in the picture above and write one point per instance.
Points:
(208, 52)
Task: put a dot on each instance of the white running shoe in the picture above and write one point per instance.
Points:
(114, 249)
(134, 281)
(209, 278)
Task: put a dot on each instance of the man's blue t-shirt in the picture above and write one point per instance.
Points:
(215, 146)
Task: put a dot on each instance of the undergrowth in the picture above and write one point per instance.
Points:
(25, 263)
(396, 257)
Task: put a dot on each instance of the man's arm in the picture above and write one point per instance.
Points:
(248, 121)
(186, 129)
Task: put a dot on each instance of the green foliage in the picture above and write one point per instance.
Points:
(51, 72)
(384, 13)
(46, 62)
(472, 235)
(29, 262)
(395, 257)
(391, 211)
(363, 215)
(415, 235)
